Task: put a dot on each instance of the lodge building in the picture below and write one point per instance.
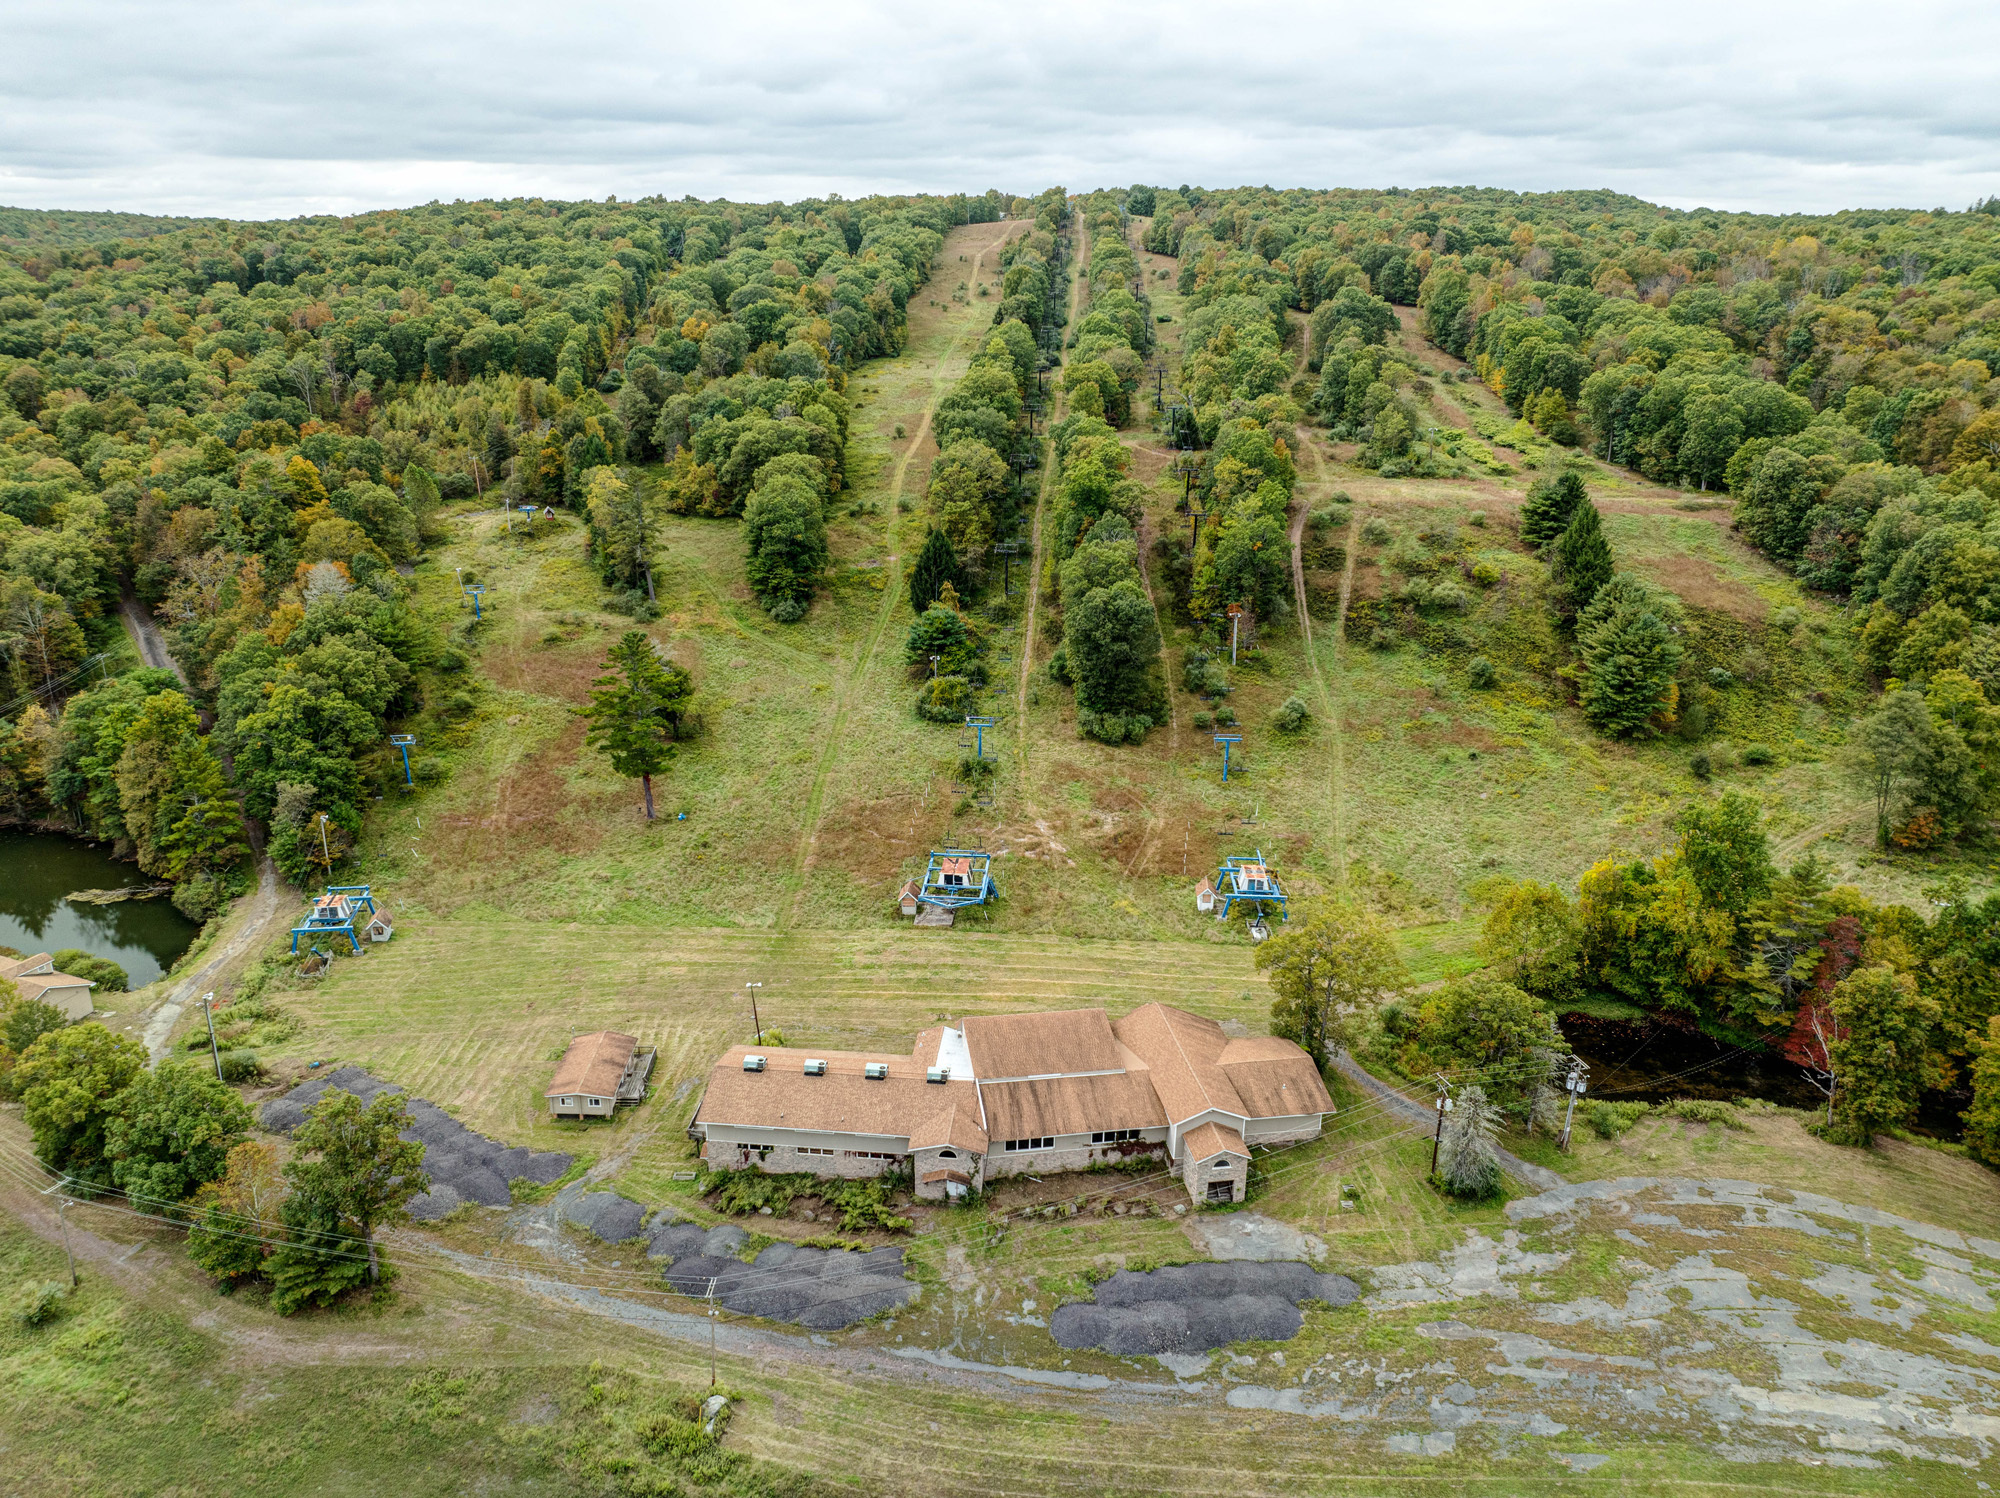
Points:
(1003, 1094)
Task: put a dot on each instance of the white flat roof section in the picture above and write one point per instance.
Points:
(955, 1056)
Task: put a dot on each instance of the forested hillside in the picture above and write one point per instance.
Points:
(249, 429)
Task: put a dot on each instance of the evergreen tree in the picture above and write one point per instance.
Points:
(1582, 559)
(936, 565)
(586, 450)
(622, 525)
(1629, 653)
(1468, 1163)
(636, 709)
(1551, 504)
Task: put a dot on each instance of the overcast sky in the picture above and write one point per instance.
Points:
(270, 109)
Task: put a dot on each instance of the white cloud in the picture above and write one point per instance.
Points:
(262, 109)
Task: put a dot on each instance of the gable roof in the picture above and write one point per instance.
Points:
(954, 1126)
(1213, 1139)
(1071, 1105)
(1273, 1077)
(593, 1065)
(37, 975)
(1050, 1043)
(1183, 1051)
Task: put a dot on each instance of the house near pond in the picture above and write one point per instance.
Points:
(37, 979)
(1008, 1094)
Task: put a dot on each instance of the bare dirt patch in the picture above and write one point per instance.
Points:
(871, 839)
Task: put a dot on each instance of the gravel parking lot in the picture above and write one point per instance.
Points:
(463, 1166)
(1196, 1307)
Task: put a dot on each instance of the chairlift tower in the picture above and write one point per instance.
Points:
(1007, 551)
(979, 727)
(475, 591)
(1251, 881)
(1225, 740)
(403, 741)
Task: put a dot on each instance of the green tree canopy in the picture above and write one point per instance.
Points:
(67, 1081)
(1331, 963)
(352, 1165)
(1629, 653)
(784, 535)
(171, 1131)
(1885, 1057)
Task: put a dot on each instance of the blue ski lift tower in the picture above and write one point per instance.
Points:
(957, 877)
(1251, 881)
(333, 914)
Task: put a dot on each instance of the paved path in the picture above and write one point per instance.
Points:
(152, 649)
(1405, 1106)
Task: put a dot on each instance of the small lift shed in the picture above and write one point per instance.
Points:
(334, 914)
(957, 877)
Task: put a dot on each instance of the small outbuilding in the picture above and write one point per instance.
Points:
(377, 925)
(908, 898)
(1204, 896)
(597, 1073)
(37, 979)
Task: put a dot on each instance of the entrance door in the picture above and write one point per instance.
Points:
(1222, 1191)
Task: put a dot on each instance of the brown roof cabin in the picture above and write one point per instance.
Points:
(37, 979)
(597, 1073)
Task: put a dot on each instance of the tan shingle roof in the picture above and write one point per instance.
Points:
(954, 1126)
(932, 1177)
(593, 1065)
(1182, 1049)
(1056, 1042)
(1071, 1105)
(1212, 1139)
(32, 983)
(1274, 1078)
(782, 1096)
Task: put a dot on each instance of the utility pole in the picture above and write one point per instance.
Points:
(1443, 1105)
(752, 989)
(324, 847)
(64, 1220)
(711, 1332)
(208, 1011)
(1575, 1085)
(1235, 619)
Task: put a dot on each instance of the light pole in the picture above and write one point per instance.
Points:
(752, 988)
(1443, 1106)
(1576, 1084)
(1235, 618)
(325, 847)
(208, 1013)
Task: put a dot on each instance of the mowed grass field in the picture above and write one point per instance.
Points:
(533, 898)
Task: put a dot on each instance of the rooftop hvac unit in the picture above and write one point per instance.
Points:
(815, 1068)
(876, 1071)
(753, 1063)
(938, 1074)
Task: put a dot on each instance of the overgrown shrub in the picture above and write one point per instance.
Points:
(37, 1304)
(944, 699)
(1705, 1111)
(1481, 673)
(1115, 728)
(1293, 717)
(1612, 1119)
(1376, 532)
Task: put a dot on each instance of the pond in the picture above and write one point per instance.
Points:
(39, 870)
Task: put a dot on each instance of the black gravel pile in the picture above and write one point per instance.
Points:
(821, 1289)
(1196, 1307)
(463, 1166)
(612, 1217)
